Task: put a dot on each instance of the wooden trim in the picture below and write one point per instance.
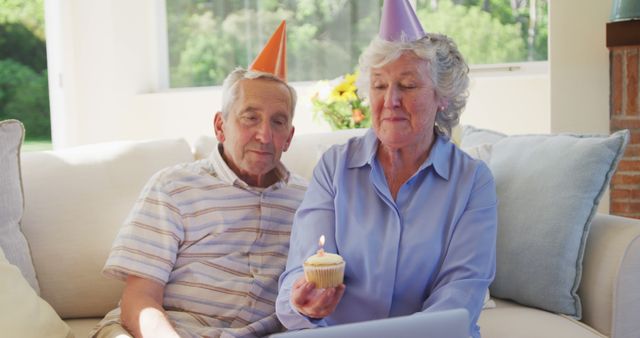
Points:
(623, 33)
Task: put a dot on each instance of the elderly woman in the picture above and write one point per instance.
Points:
(413, 216)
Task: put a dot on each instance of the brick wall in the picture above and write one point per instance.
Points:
(625, 114)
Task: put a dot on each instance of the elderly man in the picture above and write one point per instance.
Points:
(203, 248)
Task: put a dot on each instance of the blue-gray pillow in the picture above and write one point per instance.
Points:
(548, 189)
(472, 136)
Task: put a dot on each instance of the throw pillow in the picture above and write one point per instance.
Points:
(483, 153)
(548, 188)
(24, 314)
(472, 136)
(12, 240)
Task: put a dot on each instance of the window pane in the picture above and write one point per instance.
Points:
(24, 86)
(490, 31)
(208, 38)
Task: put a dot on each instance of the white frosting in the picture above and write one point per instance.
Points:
(324, 259)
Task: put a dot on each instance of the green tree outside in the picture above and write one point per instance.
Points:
(481, 38)
(208, 38)
(24, 92)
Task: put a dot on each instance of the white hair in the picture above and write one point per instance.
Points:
(447, 70)
(230, 88)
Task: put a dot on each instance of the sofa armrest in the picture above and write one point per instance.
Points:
(610, 287)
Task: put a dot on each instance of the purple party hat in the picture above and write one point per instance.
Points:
(399, 22)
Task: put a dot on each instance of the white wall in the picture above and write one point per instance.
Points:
(513, 102)
(579, 66)
(108, 58)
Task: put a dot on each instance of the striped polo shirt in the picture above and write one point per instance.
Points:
(217, 244)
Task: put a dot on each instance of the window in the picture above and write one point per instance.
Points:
(490, 31)
(208, 38)
(24, 89)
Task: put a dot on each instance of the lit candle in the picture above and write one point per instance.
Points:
(321, 243)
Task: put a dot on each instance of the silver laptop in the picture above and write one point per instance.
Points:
(442, 324)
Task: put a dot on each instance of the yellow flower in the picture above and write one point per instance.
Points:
(351, 78)
(345, 90)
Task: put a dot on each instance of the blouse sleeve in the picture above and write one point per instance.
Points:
(315, 217)
(470, 261)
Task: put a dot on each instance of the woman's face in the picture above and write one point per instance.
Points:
(403, 102)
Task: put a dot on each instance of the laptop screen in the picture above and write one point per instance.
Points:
(441, 324)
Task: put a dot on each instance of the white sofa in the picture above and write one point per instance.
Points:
(76, 200)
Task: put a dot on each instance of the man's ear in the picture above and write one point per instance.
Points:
(218, 126)
(288, 142)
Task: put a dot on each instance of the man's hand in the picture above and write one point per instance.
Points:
(315, 303)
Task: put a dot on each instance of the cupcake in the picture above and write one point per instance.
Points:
(325, 270)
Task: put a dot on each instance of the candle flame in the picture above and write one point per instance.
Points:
(321, 241)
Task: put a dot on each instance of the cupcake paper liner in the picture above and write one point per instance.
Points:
(325, 276)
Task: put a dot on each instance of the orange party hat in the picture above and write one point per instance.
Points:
(273, 57)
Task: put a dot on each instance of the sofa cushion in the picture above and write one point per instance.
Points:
(81, 327)
(12, 241)
(75, 202)
(24, 314)
(548, 188)
(510, 320)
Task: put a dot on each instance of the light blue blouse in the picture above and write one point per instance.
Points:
(431, 249)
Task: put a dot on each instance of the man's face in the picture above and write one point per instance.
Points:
(257, 130)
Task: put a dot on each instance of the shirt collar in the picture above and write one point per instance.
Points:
(439, 157)
(229, 176)
(366, 152)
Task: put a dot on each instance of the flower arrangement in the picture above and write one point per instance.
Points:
(339, 104)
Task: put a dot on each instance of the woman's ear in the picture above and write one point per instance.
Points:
(218, 126)
(443, 104)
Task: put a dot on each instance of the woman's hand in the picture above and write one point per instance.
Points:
(315, 303)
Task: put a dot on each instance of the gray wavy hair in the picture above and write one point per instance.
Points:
(230, 88)
(447, 70)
